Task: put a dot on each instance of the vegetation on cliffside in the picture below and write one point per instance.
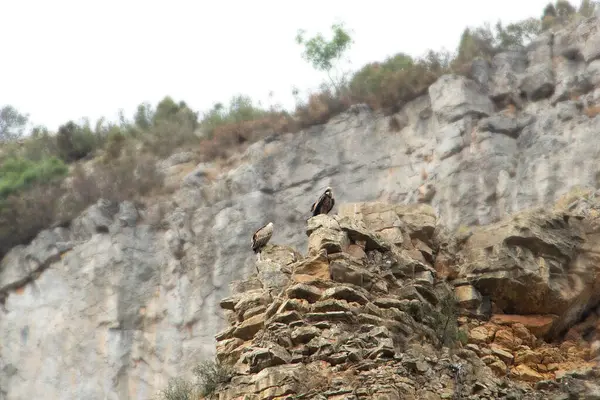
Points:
(123, 153)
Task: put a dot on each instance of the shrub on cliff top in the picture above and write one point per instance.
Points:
(19, 173)
(209, 375)
(25, 213)
(397, 80)
(241, 108)
(75, 141)
(12, 123)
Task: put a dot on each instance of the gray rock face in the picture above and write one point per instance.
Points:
(110, 308)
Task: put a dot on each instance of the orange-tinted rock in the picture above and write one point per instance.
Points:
(247, 329)
(541, 368)
(520, 331)
(489, 359)
(445, 267)
(528, 357)
(230, 350)
(481, 334)
(502, 353)
(498, 367)
(552, 367)
(356, 251)
(538, 325)
(525, 373)
(505, 338)
(550, 355)
(317, 267)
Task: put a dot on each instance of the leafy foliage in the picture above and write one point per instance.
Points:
(588, 8)
(18, 173)
(562, 12)
(446, 322)
(397, 80)
(33, 166)
(179, 389)
(12, 123)
(209, 375)
(323, 54)
(75, 142)
(240, 109)
(485, 42)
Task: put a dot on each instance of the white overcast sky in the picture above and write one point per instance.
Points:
(66, 59)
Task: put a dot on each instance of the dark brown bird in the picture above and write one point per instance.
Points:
(324, 204)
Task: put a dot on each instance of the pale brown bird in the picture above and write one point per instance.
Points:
(261, 237)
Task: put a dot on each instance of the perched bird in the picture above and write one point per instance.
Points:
(324, 204)
(261, 237)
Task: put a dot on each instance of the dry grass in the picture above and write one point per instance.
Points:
(229, 138)
(25, 214)
(321, 107)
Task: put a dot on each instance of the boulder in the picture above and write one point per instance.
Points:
(453, 97)
(537, 262)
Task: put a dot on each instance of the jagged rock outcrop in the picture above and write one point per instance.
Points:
(131, 295)
(366, 317)
(538, 262)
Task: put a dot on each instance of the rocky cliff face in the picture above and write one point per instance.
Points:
(126, 297)
(365, 316)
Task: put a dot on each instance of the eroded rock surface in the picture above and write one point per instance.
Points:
(132, 294)
(371, 327)
(540, 262)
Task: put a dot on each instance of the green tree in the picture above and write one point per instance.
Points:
(518, 33)
(168, 110)
(324, 54)
(370, 79)
(549, 11)
(588, 8)
(143, 116)
(74, 141)
(241, 108)
(12, 123)
(478, 42)
(564, 9)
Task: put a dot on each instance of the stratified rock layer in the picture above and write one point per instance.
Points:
(378, 323)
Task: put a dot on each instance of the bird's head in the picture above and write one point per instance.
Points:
(329, 191)
(270, 225)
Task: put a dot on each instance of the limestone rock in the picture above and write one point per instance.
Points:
(506, 69)
(345, 293)
(313, 268)
(247, 329)
(264, 357)
(303, 291)
(550, 251)
(328, 236)
(468, 296)
(453, 97)
(133, 294)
